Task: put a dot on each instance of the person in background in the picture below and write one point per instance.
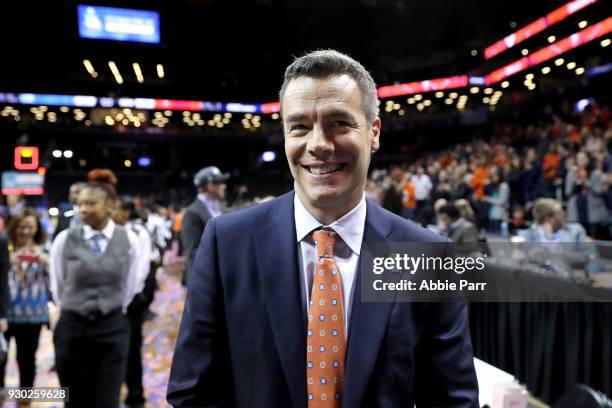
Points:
(160, 235)
(530, 176)
(517, 221)
(479, 178)
(422, 189)
(177, 225)
(551, 166)
(127, 216)
(558, 236)
(460, 189)
(466, 211)
(550, 224)
(438, 226)
(442, 188)
(498, 197)
(240, 197)
(210, 183)
(584, 185)
(372, 192)
(559, 182)
(94, 276)
(27, 309)
(70, 218)
(391, 196)
(439, 203)
(408, 197)
(461, 231)
(155, 223)
(5, 266)
(15, 204)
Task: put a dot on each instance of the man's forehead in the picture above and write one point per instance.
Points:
(341, 81)
(321, 93)
(339, 86)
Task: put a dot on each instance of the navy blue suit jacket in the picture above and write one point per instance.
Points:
(242, 338)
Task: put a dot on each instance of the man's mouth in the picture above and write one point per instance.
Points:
(325, 169)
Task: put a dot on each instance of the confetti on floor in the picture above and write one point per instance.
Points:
(158, 346)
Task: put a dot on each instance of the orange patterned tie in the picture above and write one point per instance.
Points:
(325, 338)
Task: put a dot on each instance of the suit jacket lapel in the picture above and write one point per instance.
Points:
(368, 320)
(277, 260)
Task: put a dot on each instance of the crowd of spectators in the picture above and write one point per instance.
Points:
(496, 182)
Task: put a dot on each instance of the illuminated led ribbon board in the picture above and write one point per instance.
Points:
(86, 101)
(83, 101)
(554, 50)
(536, 27)
(430, 85)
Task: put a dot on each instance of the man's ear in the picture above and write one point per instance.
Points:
(376, 135)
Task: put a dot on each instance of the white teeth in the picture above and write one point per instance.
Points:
(324, 169)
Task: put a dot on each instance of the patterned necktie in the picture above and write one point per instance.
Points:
(95, 244)
(325, 338)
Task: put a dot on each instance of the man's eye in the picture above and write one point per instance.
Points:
(340, 123)
(298, 127)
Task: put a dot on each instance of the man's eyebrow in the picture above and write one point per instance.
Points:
(295, 117)
(335, 113)
(341, 113)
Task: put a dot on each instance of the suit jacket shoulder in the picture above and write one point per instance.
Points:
(198, 208)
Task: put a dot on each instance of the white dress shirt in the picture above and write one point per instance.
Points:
(350, 229)
(159, 233)
(213, 206)
(146, 252)
(57, 263)
(422, 186)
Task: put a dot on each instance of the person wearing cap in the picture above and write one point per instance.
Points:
(274, 315)
(210, 184)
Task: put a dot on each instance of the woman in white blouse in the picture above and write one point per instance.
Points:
(94, 275)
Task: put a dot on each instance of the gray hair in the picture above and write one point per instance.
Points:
(327, 63)
(544, 209)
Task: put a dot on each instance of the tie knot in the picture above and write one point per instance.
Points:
(325, 241)
(95, 243)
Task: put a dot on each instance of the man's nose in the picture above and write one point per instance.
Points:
(320, 144)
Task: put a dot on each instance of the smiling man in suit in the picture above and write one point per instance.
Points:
(274, 316)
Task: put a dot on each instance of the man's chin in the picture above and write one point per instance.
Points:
(324, 197)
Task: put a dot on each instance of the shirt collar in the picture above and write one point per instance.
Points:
(107, 231)
(349, 227)
(204, 198)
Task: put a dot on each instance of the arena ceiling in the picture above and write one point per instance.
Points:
(235, 50)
